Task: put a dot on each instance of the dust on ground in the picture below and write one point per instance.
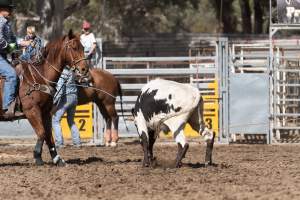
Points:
(240, 172)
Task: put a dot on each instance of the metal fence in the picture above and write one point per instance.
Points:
(199, 70)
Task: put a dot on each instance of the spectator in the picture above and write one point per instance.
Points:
(89, 43)
(32, 46)
(65, 100)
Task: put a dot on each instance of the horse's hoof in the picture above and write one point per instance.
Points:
(61, 163)
(146, 164)
(39, 162)
(113, 144)
(207, 164)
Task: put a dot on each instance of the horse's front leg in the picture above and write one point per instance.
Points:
(37, 153)
(50, 141)
(34, 117)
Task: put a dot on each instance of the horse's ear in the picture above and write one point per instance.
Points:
(71, 34)
(45, 52)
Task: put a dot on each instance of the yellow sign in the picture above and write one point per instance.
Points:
(83, 119)
(211, 112)
(211, 108)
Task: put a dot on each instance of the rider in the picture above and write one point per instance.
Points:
(7, 45)
(32, 46)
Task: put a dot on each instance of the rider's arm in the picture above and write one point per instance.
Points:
(60, 87)
(3, 42)
(25, 43)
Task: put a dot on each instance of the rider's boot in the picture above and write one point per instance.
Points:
(11, 113)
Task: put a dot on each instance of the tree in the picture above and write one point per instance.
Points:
(52, 14)
(225, 15)
(246, 16)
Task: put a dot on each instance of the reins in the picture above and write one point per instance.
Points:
(79, 85)
(35, 86)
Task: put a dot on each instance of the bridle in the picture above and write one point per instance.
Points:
(48, 88)
(74, 67)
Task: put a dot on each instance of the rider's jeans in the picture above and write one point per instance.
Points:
(67, 104)
(10, 83)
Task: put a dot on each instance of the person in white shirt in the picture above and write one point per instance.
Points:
(88, 41)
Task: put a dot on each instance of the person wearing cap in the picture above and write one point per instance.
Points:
(88, 41)
(7, 45)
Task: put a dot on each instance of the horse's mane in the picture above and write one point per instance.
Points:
(51, 50)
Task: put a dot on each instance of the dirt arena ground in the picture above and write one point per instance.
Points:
(240, 172)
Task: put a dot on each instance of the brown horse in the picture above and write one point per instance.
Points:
(36, 89)
(104, 92)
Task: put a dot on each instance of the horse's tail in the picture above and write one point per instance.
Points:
(121, 102)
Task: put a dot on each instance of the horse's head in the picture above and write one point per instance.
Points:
(74, 54)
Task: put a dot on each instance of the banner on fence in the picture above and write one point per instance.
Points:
(288, 11)
(83, 119)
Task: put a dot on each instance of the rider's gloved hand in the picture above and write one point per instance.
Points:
(11, 47)
(3, 44)
(90, 56)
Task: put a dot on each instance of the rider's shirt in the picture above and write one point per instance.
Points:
(65, 85)
(6, 34)
(87, 41)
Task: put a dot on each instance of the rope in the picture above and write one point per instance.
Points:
(86, 86)
(53, 67)
(79, 85)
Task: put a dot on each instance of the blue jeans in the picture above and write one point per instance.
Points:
(10, 85)
(66, 104)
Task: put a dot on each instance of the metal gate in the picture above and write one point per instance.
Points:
(249, 91)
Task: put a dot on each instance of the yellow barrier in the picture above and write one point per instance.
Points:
(83, 119)
(211, 113)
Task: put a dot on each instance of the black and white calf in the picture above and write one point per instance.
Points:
(167, 106)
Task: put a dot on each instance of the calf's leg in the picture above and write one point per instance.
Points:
(209, 148)
(179, 137)
(145, 145)
(181, 154)
(152, 139)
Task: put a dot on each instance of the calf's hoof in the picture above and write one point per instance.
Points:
(178, 165)
(153, 159)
